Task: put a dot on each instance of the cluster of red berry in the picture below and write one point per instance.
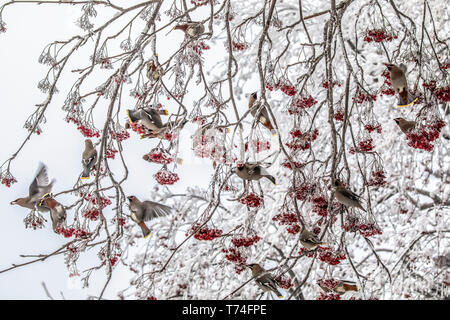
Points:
(69, 232)
(442, 94)
(377, 179)
(426, 135)
(234, 255)
(120, 136)
(304, 191)
(121, 221)
(166, 177)
(353, 224)
(361, 97)
(284, 283)
(306, 252)
(33, 221)
(285, 218)
(288, 90)
(333, 83)
(328, 256)
(158, 157)
(138, 128)
(8, 179)
(261, 145)
(199, 3)
(328, 283)
(206, 233)
(378, 35)
(199, 47)
(105, 64)
(91, 214)
(294, 229)
(239, 46)
(288, 165)
(245, 242)
(301, 141)
(104, 202)
(300, 104)
(330, 296)
(339, 116)
(88, 132)
(370, 128)
(320, 206)
(199, 120)
(363, 146)
(251, 201)
(111, 153)
(151, 298)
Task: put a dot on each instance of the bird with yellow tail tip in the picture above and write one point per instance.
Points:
(405, 125)
(142, 211)
(309, 240)
(57, 211)
(400, 85)
(88, 159)
(149, 118)
(39, 188)
(341, 287)
(253, 171)
(263, 115)
(264, 280)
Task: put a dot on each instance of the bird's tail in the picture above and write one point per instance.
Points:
(406, 99)
(272, 178)
(145, 230)
(350, 287)
(85, 174)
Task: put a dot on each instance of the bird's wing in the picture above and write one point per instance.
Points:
(155, 210)
(40, 180)
(154, 117)
(349, 194)
(89, 157)
(134, 115)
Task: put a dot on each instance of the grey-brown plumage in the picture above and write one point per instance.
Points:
(152, 71)
(264, 280)
(442, 261)
(57, 211)
(253, 171)
(142, 211)
(191, 29)
(150, 118)
(342, 287)
(88, 159)
(166, 127)
(309, 240)
(399, 83)
(262, 115)
(346, 197)
(38, 188)
(405, 125)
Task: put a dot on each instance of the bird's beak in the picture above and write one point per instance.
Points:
(13, 203)
(129, 198)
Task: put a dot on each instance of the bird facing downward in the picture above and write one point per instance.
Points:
(263, 279)
(191, 29)
(38, 188)
(263, 115)
(309, 240)
(57, 211)
(400, 84)
(88, 159)
(145, 211)
(253, 171)
(405, 125)
(346, 197)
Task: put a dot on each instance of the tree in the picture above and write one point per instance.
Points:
(319, 69)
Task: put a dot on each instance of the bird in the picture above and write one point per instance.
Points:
(152, 71)
(191, 29)
(253, 171)
(38, 189)
(57, 211)
(400, 84)
(166, 127)
(405, 125)
(263, 279)
(145, 211)
(150, 118)
(88, 158)
(263, 115)
(342, 287)
(310, 240)
(346, 197)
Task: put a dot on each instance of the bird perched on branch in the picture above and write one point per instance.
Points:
(191, 29)
(57, 211)
(37, 190)
(88, 159)
(166, 127)
(346, 197)
(263, 279)
(405, 125)
(309, 240)
(400, 84)
(142, 211)
(342, 287)
(150, 118)
(253, 171)
(152, 71)
(262, 116)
